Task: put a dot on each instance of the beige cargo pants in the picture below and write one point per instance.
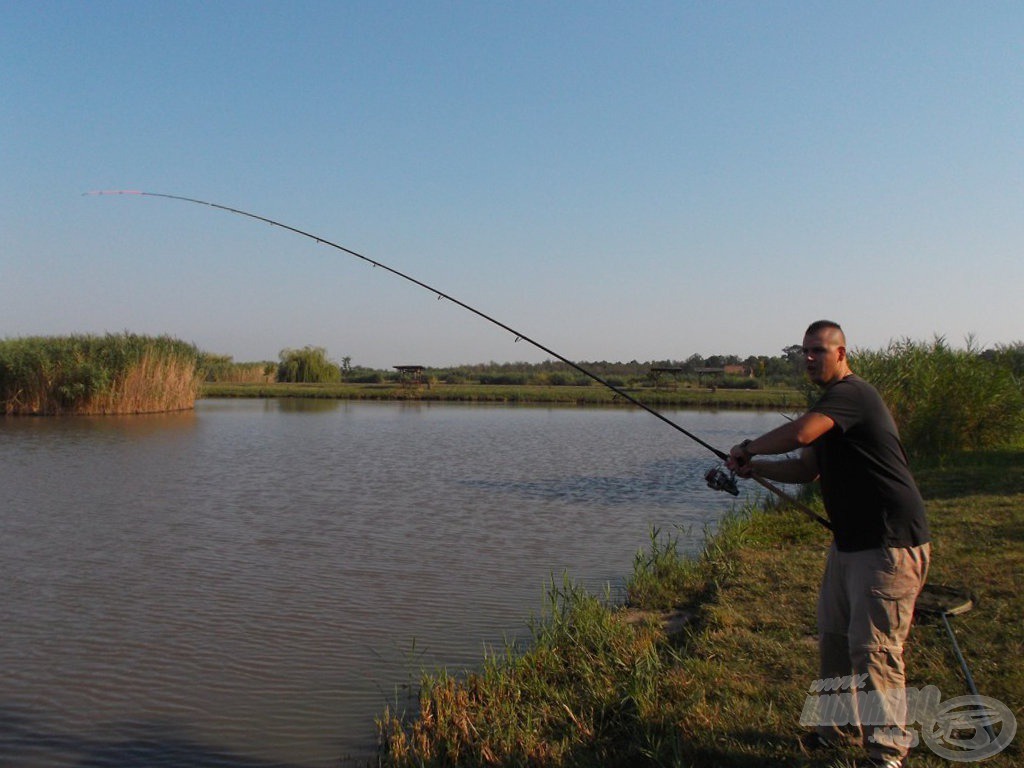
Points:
(865, 609)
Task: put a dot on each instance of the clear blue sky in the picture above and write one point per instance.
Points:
(617, 180)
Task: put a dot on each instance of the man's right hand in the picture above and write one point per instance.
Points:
(740, 461)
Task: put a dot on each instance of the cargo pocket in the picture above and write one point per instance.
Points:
(893, 591)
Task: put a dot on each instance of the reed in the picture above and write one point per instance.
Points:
(947, 400)
(660, 574)
(85, 374)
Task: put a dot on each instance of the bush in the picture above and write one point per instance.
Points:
(568, 379)
(367, 377)
(504, 378)
(739, 382)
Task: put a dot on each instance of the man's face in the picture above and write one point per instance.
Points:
(824, 353)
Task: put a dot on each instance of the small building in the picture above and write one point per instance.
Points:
(410, 374)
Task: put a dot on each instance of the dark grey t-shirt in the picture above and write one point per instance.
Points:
(869, 493)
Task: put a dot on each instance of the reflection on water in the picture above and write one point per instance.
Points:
(249, 584)
(303, 405)
(658, 483)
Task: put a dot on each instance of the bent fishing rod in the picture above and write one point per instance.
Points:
(716, 478)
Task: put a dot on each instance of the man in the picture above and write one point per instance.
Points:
(879, 556)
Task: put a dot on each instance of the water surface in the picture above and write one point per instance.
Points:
(249, 584)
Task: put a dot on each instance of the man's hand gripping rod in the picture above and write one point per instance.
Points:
(720, 480)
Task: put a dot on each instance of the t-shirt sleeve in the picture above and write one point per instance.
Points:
(841, 403)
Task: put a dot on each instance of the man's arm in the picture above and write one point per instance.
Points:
(802, 468)
(794, 435)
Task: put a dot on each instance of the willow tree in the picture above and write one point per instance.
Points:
(308, 365)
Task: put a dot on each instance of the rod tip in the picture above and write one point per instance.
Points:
(114, 192)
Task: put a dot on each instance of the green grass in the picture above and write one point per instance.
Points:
(518, 393)
(603, 686)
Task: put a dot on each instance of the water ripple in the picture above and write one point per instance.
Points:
(249, 585)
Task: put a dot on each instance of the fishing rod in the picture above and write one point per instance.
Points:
(716, 478)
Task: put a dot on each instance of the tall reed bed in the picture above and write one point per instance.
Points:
(86, 374)
(947, 400)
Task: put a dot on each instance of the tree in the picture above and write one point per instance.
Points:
(308, 365)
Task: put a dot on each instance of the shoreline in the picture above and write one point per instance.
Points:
(726, 683)
(596, 395)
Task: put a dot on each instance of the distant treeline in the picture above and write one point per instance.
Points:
(717, 370)
(312, 365)
(786, 370)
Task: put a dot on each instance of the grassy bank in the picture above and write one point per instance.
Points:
(602, 686)
(783, 399)
(116, 373)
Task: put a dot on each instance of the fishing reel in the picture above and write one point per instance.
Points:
(720, 480)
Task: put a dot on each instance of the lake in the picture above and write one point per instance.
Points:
(249, 584)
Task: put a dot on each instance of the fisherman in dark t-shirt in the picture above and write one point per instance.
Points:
(870, 496)
(879, 557)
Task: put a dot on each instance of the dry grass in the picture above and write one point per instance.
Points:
(117, 373)
(155, 383)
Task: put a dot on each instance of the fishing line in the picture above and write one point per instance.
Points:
(716, 479)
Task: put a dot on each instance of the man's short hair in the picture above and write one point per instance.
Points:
(820, 325)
